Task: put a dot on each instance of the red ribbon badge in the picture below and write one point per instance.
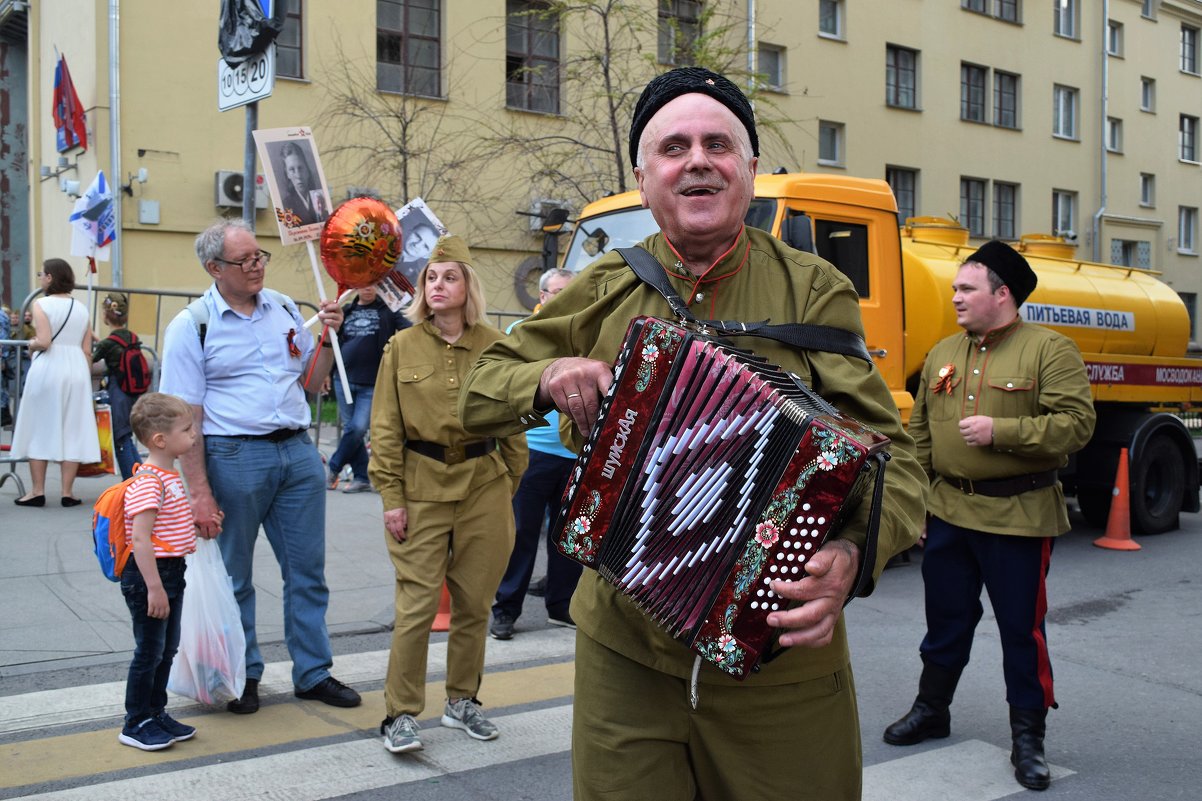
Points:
(292, 348)
(944, 384)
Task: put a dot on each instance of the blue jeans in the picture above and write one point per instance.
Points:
(155, 641)
(356, 418)
(538, 495)
(281, 487)
(127, 454)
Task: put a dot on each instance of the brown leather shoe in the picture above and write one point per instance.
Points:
(248, 704)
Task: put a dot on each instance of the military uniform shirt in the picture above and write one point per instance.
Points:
(759, 278)
(1032, 381)
(416, 397)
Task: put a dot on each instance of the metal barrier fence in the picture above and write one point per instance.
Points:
(167, 304)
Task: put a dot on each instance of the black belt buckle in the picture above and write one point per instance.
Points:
(966, 486)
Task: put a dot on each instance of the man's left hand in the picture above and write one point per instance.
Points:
(330, 314)
(977, 431)
(830, 574)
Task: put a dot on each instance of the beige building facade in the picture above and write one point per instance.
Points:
(1075, 117)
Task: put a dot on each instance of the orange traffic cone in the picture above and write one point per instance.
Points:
(1118, 525)
(442, 620)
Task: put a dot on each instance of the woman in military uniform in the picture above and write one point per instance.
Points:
(447, 496)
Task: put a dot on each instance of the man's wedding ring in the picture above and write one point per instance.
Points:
(574, 395)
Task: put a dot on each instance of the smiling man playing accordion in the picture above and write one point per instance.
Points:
(653, 718)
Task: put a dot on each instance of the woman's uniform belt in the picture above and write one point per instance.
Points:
(455, 455)
(1003, 487)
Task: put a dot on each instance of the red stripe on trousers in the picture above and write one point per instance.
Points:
(1041, 609)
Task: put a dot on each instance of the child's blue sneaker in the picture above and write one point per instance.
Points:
(178, 731)
(149, 735)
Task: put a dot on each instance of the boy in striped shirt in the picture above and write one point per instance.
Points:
(159, 523)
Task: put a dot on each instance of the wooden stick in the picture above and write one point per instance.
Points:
(321, 293)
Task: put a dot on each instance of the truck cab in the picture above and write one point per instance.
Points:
(850, 222)
(1132, 329)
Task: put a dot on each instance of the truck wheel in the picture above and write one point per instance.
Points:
(1157, 487)
(1094, 503)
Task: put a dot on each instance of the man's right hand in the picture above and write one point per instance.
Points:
(207, 515)
(574, 385)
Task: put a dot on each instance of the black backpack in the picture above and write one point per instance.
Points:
(133, 371)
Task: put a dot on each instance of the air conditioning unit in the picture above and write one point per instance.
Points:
(539, 210)
(229, 189)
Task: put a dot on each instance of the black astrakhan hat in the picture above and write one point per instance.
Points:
(1010, 266)
(664, 88)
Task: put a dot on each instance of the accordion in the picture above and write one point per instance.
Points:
(709, 474)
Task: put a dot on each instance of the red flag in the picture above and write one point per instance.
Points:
(68, 111)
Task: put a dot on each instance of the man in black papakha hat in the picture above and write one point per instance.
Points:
(997, 412)
(645, 724)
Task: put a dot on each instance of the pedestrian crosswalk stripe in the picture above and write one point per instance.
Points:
(279, 724)
(313, 774)
(968, 771)
(39, 710)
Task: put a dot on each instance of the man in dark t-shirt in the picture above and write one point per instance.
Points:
(368, 326)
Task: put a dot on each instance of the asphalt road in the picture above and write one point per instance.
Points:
(1123, 630)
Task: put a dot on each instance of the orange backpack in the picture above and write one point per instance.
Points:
(108, 525)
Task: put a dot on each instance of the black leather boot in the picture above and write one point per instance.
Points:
(1027, 728)
(929, 717)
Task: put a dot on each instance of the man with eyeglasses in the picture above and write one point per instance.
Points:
(243, 358)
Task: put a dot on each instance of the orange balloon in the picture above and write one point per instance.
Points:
(360, 242)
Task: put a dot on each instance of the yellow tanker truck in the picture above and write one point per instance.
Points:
(1133, 330)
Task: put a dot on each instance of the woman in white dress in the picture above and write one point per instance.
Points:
(56, 421)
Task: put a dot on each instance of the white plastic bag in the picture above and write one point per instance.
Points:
(210, 665)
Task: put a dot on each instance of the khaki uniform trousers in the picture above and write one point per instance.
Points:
(635, 735)
(467, 543)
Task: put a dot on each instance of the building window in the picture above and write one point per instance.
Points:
(1187, 229)
(1064, 214)
(901, 77)
(1002, 9)
(408, 47)
(830, 143)
(972, 205)
(1005, 210)
(1147, 189)
(1114, 134)
(1187, 138)
(531, 56)
(904, 183)
(1007, 10)
(1148, 9)
(1190, 299)
(1189, 49)
(771, 60)
(972, 93)
(830, 18)
(1065, 17)
(1147, 94)
(1131, 253)
(1064, 112)
(679, 27)
(1114, 38)
(1005, 100)
(290, 44)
